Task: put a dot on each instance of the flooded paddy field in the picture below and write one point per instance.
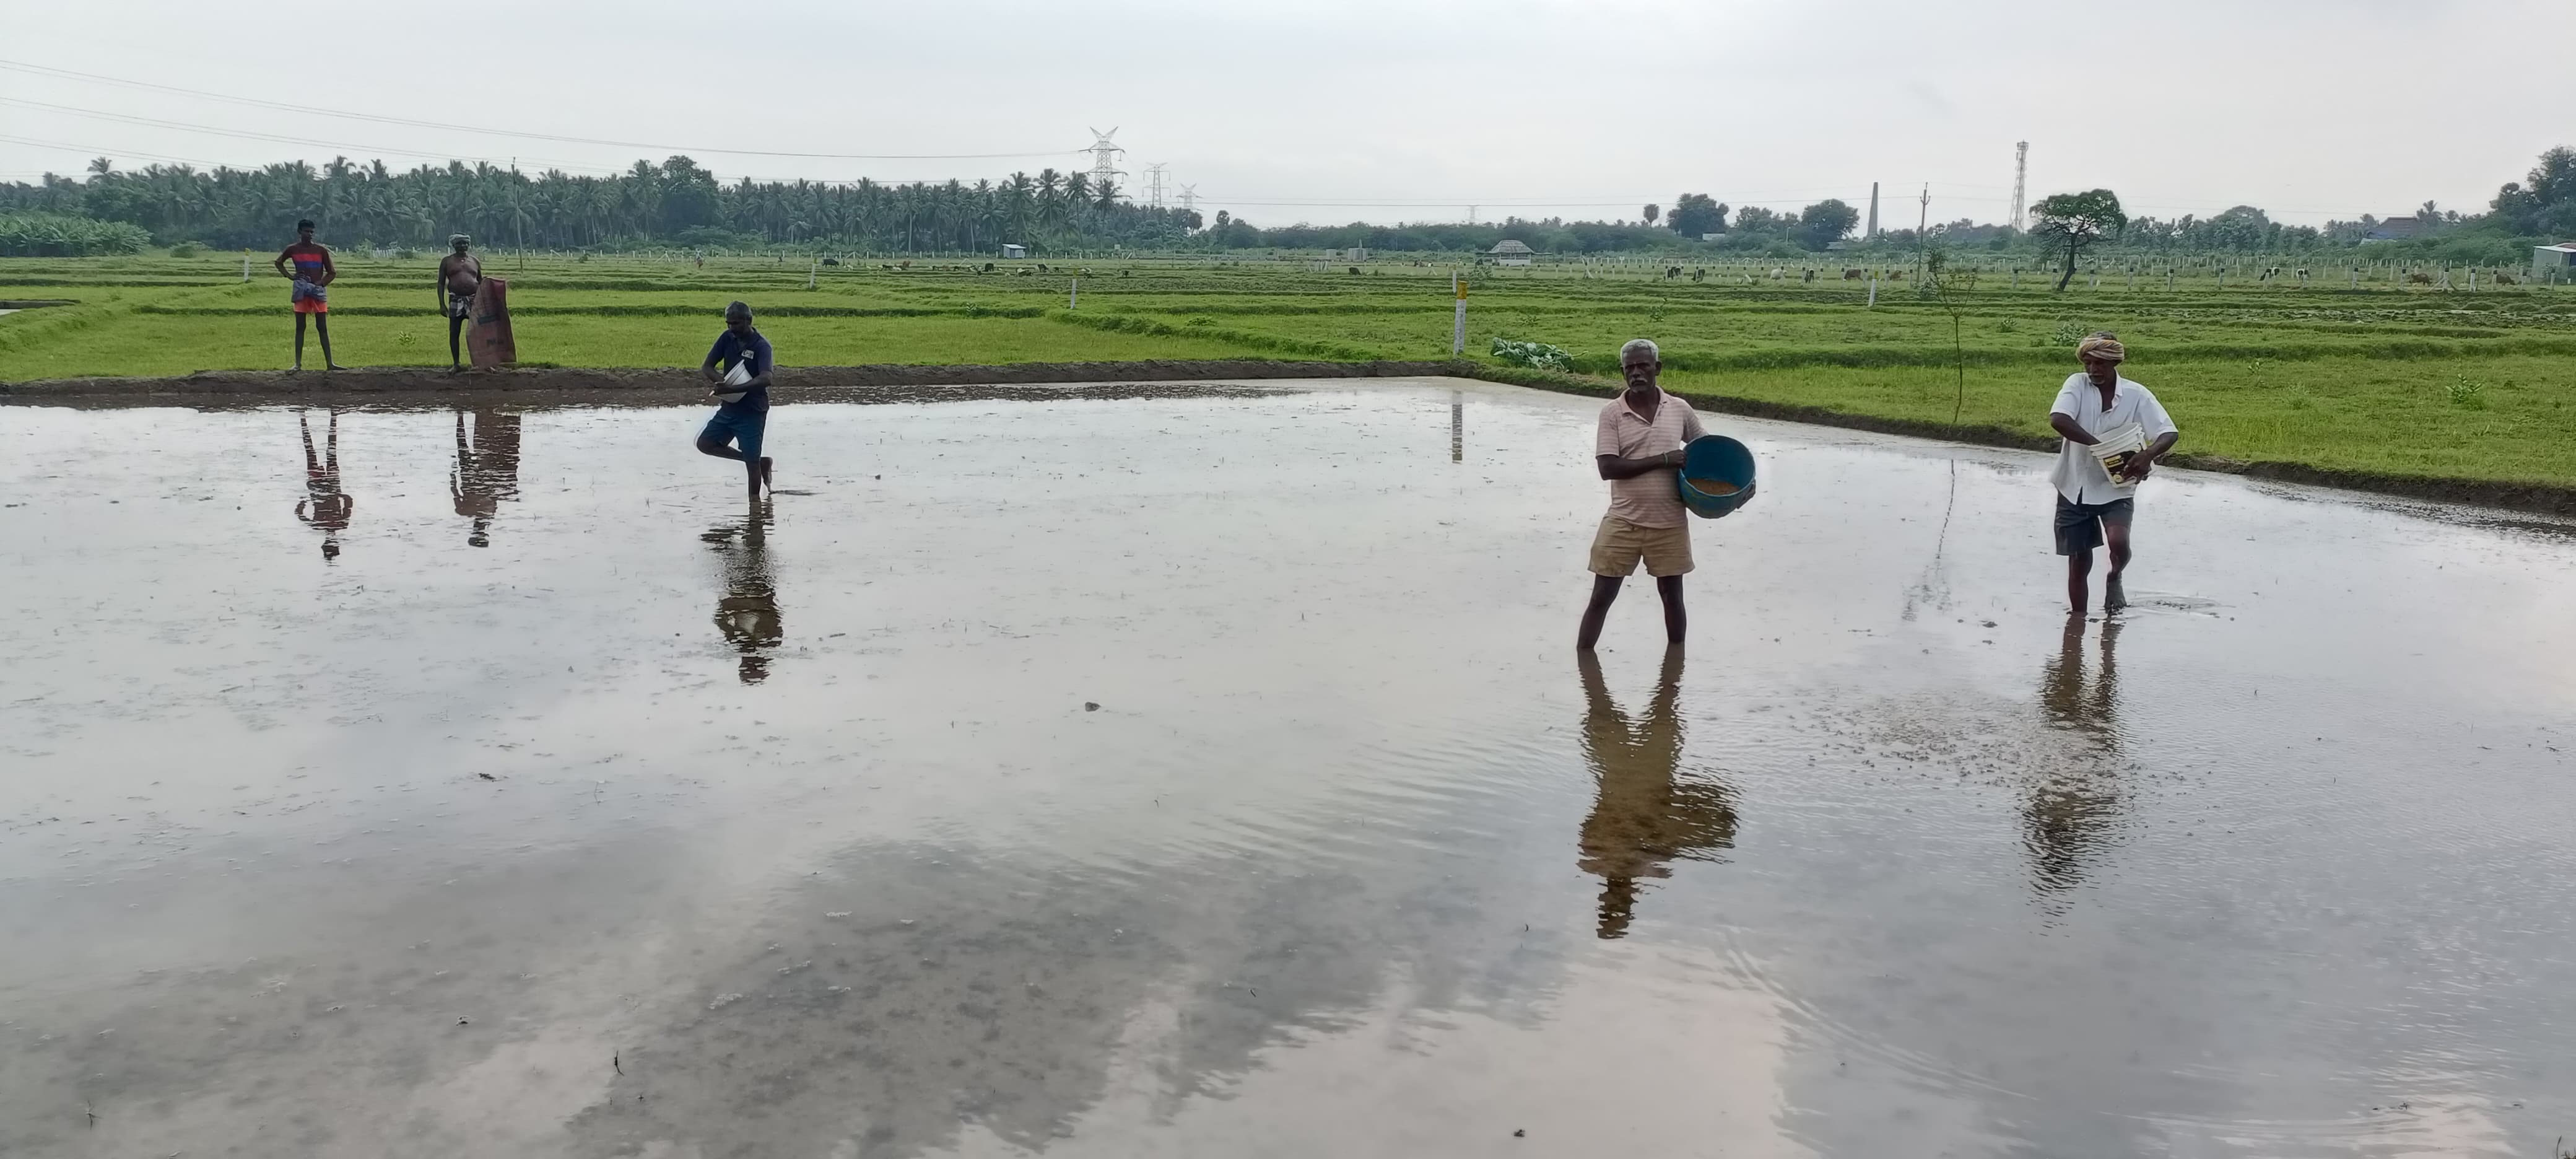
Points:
(1194, 770)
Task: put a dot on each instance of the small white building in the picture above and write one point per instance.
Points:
(2554, 261)
(1014, 250)
(1508, 252)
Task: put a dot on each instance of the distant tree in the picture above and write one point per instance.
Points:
(1825, 223)
(1758, 219)
(1695, 214)
(1651, 212)
(1224, 219)
(2241, 228)
(1189, 219)
(2544, 204)
(2074, 221)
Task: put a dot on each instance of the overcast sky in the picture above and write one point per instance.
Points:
(1379, 110)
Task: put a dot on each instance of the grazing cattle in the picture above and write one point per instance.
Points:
(1810, 276)
(1700, 274)
(2504, 279)
(2419, 279)
(1852, 275)
(831, 261)
(1672, 272)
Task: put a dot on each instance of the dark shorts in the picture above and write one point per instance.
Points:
(741, 428)
(2079, 525)
(460, 305)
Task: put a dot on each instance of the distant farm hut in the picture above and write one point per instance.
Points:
(2556, 263)
(1014, 250)
(1509, 252)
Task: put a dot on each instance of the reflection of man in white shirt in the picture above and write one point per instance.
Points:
(2093, 506)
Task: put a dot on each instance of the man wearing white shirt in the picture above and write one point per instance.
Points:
(2093, 507)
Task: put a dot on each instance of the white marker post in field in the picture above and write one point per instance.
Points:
(1073, 296)
(1458, 328)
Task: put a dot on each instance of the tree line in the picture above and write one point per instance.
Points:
(678, 202)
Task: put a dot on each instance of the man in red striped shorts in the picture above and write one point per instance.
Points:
(1639, 451)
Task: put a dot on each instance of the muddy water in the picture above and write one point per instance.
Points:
(501, 783)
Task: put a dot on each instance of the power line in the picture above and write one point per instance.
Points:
(95, 152)
(64, 73)
(250, 135)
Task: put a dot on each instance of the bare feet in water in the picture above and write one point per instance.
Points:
(766, 462)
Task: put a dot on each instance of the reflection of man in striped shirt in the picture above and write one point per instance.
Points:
(1638, 449)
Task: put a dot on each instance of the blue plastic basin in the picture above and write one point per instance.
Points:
(1720, 458)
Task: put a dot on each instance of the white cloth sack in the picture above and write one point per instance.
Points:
(740, 375)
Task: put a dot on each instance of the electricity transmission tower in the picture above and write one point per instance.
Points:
(1104, 157)
(2021, 170)
(1189, 197)
(1154, 184)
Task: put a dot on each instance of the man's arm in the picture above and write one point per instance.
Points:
(1614, 467)
(280, 263)
(2065, 424)
(708, 368)
(330, 273)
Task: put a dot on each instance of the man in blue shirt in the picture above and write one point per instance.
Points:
(743, 412)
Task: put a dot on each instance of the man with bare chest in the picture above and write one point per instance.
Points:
(460, 274)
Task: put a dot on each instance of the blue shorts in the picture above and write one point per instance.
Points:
(742, 429)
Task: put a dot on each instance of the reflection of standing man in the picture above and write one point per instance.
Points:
(2091, 508)
(747, 612)
(1638, 449)
(487, 469)
(312, 275)
(2075, 805)
(325, 506)
(1644, 813)
(459, 275)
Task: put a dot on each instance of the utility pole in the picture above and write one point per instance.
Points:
(1873, 211)
(2021, 170)
(1924, 222)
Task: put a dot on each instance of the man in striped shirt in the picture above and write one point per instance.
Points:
(1639, 450)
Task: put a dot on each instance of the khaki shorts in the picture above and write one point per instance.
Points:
(1619, 544)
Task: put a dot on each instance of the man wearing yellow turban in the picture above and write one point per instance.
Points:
(2113, 431)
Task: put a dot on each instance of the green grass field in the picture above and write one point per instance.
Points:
(2388, 379)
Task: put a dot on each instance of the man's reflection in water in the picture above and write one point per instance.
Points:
(487, 469)
(2075, 805)
(747, 612)
(325, 506)
(1644, 812)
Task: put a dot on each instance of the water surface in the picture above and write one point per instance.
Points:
(444, 781)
